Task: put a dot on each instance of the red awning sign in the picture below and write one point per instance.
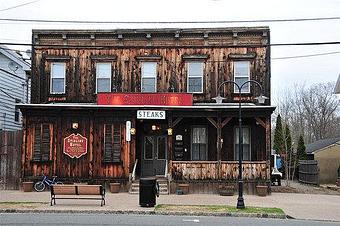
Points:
(75, 145)
(164, 99)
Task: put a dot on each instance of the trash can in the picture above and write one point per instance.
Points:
(148, 189)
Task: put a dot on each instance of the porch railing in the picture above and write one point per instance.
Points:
(214, 170)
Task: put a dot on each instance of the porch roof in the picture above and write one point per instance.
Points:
(197, 106)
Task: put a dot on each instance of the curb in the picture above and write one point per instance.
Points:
(151, 212)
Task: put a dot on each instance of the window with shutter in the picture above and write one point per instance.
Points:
(112, 143)
(42, 142)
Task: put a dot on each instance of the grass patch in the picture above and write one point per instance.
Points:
(218, 209)
(31, 205)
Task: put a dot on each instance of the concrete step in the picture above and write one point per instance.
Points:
(163, 187)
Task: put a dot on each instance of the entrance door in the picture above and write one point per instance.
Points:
(154, 155)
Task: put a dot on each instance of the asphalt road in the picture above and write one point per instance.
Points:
(139, 220)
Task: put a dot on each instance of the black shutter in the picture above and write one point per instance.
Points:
(107, 143)
(45, 143)
(37, 143)
(112, 143)
(116, 144)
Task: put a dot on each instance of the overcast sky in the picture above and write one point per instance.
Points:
(285, 72)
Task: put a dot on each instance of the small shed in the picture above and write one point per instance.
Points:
(327, 153)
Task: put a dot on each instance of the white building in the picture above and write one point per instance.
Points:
(14, 88)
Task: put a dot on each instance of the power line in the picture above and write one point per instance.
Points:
(171, 22)
(17, 6)
(305, 56)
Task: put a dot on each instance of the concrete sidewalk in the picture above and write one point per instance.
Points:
(300, 206)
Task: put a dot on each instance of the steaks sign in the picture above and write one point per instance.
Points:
(75, 145)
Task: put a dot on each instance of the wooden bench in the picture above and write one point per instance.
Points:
(77, 192)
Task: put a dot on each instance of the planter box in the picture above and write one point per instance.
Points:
(184, 188)
(27, 186)
(114, 187)
(262, 190)
(226, 190)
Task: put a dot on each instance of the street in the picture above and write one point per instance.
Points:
(127, 219)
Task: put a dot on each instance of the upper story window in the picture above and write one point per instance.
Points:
(58, 74)
(195, 77)
(103, 77)
(17, 111)
(149, 75)
(241, 75)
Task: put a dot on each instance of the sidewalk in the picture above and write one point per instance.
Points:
(300, 206)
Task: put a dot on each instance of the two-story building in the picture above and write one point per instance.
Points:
(14, 88)
(123, 104)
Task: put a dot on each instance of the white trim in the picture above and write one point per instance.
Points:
(154, 77)
(110, 77)
(51, 78)
(248, 76)
(195, 76)
(94, 105)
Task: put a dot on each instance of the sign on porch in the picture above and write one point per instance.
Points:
(150, 114)
(75, 145)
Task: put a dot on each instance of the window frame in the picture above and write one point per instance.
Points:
(143, 76)
(195, 76)
(17, 111)
(248, 75)
(206, 142)
(110, 77)
(236, 143)
(52, 77)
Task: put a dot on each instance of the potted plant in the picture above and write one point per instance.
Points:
(262, 188)
(114, 187)
(27, 186)
(226, 189)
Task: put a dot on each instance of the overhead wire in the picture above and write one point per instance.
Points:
(17, 6)
(171, 22)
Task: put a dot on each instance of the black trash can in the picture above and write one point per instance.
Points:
(148, 189)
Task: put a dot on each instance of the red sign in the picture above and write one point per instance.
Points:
(166, 99)
(75, 145)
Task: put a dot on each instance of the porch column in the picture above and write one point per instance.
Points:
(268, 145)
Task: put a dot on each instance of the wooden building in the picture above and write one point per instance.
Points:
(140, 104)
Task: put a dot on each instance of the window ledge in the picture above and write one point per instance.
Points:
(42, 161)
(149, 58)
(113, 162)
(195, 57)
(242, 56)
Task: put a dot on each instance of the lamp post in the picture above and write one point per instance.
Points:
(261, 99)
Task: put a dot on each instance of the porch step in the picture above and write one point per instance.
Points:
(163, 187)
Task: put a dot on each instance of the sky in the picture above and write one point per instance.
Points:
(285, 73)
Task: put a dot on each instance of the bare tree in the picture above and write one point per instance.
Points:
(312, 111)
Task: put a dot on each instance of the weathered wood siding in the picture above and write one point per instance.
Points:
(89, 166)
(127, 54)
(214, 170)
(10, 164)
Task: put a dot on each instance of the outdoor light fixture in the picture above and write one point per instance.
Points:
(154, 127)
(75, 125)
(133, 131)
(261, 99)
(169, 131)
